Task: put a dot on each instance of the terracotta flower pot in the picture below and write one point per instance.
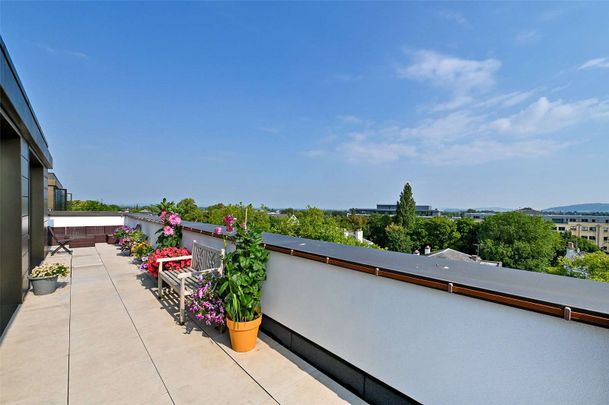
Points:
(243, 334)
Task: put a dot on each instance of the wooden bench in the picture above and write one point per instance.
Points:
(204, 259)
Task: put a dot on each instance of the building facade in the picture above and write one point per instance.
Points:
(24, 164)
(58, 195)
(595, 228)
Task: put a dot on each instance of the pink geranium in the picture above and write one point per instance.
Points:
(218, 230)
(168, 230)
(174, 219)
(163, 215)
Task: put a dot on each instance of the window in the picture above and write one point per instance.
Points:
(561, 228)
(592, 238)
(584, 237)
(584, 219)
(606, 239)
(573, 228)
(572, 220)
(606, 230)
(593, 228)
(584, 228)
(593, 220)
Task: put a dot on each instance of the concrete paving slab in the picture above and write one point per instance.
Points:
(105, 338)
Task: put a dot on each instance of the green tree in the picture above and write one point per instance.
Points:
(594, 266)
(398, 239)
(90, 205)
(189, 210)
(519, 241)
(468, 230)
(314, 224)
(441, 232)
(375, 229)
(418, 234)
(406, 209)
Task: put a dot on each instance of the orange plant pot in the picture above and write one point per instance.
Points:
(243, 334)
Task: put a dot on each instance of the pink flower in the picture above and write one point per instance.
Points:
(218, 230)
(229, 228)
(163, 215)
(168, 230)
(229, 220)
(174, 219)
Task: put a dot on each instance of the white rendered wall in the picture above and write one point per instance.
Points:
(434, 346)
(437, 347)
(61, 221)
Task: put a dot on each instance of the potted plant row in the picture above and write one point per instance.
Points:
(44, 277)
(233, 299)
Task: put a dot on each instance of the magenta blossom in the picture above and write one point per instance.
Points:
(218, 230)
(229, 221)
(163, 215)
(174, 219)
(168, 230)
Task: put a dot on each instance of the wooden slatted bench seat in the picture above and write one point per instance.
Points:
(204, 259)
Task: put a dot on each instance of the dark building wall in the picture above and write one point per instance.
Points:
(24, 164)
(10, 224)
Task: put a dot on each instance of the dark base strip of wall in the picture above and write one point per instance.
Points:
(367, 387)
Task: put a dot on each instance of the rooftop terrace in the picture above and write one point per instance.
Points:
(103, 337)
(388, 327)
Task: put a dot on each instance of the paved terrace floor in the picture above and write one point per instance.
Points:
(103, 337)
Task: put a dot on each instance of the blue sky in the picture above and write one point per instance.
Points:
(335, 105)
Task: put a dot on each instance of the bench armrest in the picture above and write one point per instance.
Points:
(172, 259)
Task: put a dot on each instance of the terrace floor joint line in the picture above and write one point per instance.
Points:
(135, 327)
(69, 331)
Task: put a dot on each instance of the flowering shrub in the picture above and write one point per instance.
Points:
(49, 270)
(171, 232)
(205, 304)
(122, 232)
(141, 249)
(152, 266)
(131, 238)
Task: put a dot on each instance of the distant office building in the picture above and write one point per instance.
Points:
(595, 228)
(391, 209)
(58, 195)
(25, 160)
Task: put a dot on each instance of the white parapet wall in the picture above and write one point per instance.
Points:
(439, 348)
(435, 347)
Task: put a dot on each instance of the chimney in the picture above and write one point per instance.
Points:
(427, 250)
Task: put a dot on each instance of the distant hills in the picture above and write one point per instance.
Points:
(590, 207)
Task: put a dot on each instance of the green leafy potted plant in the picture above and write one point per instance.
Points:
(44, 277)
(241, 286)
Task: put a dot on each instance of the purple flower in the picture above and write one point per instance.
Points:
(218, 230)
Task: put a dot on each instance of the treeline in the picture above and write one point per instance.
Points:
(90, 205)
(515, 239)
